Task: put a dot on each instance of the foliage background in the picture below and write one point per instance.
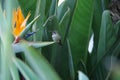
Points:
(40, 58)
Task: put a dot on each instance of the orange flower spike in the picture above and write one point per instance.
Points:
(19, 22)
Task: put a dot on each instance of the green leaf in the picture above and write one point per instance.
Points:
(53, 8)
(97, 22)
(61, 59)
(0, 55)
(14, 72)
(117, 28)
(47, 8)
(97, 16)
(38, 26)
(80, 30)
(25, 70)
(53, 52)
(105, 4)
(2, 22)
(64, 7)
(107, 38)
(6, 39)
(39, 64)
(71, 66)
(65, 12)
(82, 76)
(107, 35)
(64, 28)
(51, 23)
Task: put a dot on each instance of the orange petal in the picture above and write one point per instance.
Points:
(19, 23)
(25, 21)
(20, 17)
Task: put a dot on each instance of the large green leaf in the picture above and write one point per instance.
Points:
(25, 70)
(47, 8)
(62, 60)
(64, 15)
(107, 38)
(64, 28)
(14, 72)
(53, 8)
(38, 26)
(0, 54)
(64, 7)
(50, 25)
(38, 63)
(71, 66)
(56, 54)
(107, 35)
(96, 28)
(6, 40)
(80, 30)
(98, 10)
(105, 4)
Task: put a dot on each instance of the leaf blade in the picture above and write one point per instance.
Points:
(39, 63)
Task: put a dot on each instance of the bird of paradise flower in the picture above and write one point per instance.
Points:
(19, 23)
